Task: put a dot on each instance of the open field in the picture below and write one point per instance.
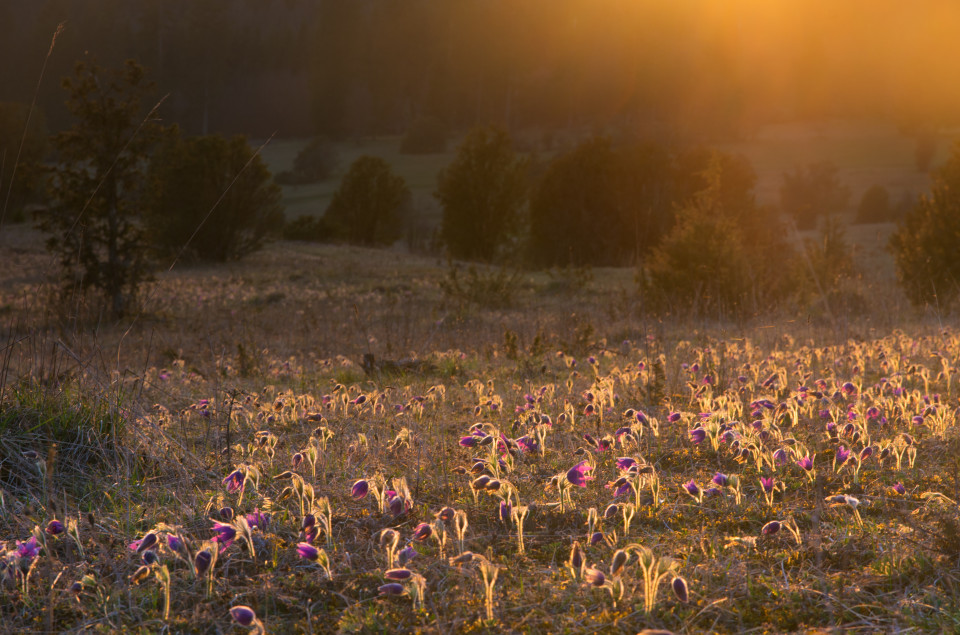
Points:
(551, 390)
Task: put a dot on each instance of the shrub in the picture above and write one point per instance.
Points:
(482, 193)
(925, 243)
(600, 205)
(813, 191)
(314, 163)
(370, 205)
(725, 254)
(875, 206)
(426, 135)
(213, 199)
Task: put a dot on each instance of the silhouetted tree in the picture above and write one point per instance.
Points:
(20, 178)
(482, 193)
(925, 245)
(811, 192)
(213, 199)
(97, 184)
(875, 205)
(370, 205)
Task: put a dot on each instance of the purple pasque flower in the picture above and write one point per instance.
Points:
(624, 463)
(691, 488)
(580, 473)
(446, 514)
(309, 520)
(202, 561)
(721, 479)
(175, 543)
(149, 541)
(679, 586)
(766, 484)
(806, 463)
(398, 574)
(28, 550)
(505, 511)
(360, 489)
(771, 528)
(55, 528)
(673, 417)
(596, 538)
(297, 459)
(866, 453)
(697, 435)
(226, 513)
(406, 554)
(594, 577)
(842, 455)
(226, 534)
(849, 389)
(470, 441)
(308, 552)
(422, 532)
(398, 505)
(392, 588)
(899, 489)
(780, 456)
(258, 520)
(150, 558)
(243, 615)
(234, 481)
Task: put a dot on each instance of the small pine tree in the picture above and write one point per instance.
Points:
(97, 185)
(811, 192)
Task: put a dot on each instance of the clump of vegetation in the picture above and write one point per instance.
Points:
(316, 162)
(924, 245)
(370, 205)
(482, 193)
(599, 204)
(97, 186)
(213, 199)
(812, 192)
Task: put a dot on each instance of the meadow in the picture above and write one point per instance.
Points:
(524, 452)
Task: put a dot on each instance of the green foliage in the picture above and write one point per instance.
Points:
(97, 185)
(426, 135)
(875, 206)
(718, 255)
(813, 191)
(213, 200)
(925, 243)
(314, 163)
(20, 178)
(600, 205)
(370, 205)
(482, 193)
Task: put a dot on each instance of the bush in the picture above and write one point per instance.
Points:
(213, 199)
(925, 243)
(718, 257)
(875, 206)
(482, 193)
(370, 206)
(314, 163)
(427, 135)
(600, 205)
(811, 192)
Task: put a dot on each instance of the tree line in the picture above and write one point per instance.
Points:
(127, 194)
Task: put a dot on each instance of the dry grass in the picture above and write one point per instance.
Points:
(149, 416)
